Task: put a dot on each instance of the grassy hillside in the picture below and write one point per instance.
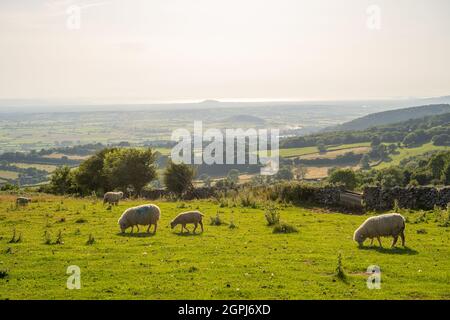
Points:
(404, 153)
(248, 262)
(392, 116)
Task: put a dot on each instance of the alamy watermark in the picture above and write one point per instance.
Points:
(74, 280)
(374, 280)
(236, 146)
(373, 21)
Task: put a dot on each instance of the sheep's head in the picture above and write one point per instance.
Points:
(359, 237)
(172, 224)
(123, 225)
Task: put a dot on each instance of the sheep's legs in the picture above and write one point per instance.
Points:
(184, 226)
(402, 235)
(379, 241)
(371, 241)
(156, 226)
(195, 227)
(201, 225)
(137, 227)
(148, 229)
(132, 228)
(394, 241)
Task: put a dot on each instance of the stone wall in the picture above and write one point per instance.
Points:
(377, 198)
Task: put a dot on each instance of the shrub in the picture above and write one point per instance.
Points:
(272, 216)
(59, 238)
(284, 227)
(91, 240)
(339, 272)
(3, 274)
(216, 221)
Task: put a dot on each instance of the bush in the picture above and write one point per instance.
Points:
(284, 227)
(216, 221)
(3, 274)
(272, 216)
(178, 178)
(340, 273)
(91, 240)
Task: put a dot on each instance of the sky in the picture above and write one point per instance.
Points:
(188, 50)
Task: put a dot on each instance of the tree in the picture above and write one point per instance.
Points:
(178, 178)
(233, 176)
(345, 177)
(62, 181)
(365, 162)
(205, 179)
(321, 147)
(437, 164)
(441, 140)
(375, 142)
(90, 175)
(285, 173)
(129, 167)
(300, 171)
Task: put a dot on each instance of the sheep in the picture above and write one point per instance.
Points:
(146, 214)
(22, 201)
(112, 197)
(391, 224)
(194, 217)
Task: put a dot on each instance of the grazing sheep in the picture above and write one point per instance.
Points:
(22, 201)
(385, 225)
(144, 215)
(194, 217)
(112, 197)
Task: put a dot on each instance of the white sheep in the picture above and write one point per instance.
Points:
(22, 201)
(189, 217)
(112, 197)
(144, 215)
(385, 225)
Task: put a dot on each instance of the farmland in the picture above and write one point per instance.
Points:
(246, 262)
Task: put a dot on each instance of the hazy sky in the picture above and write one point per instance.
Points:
(166, 50)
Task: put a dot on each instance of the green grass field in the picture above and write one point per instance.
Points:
(409, 152)
(248, 262)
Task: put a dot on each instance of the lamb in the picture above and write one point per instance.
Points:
(112, 197)
(391, 224)
(146, 214)
(22, 201)
(194, 217)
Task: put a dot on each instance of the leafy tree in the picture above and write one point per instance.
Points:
(62, 181)
(129, 167)
(345, 177)
(437, 164)
(285, 173)
(233, 176)
(441, 140)
(206, 180)
(375, 142)
(90, 175)
(178, 178)
(446, 174)
(300, 171)
(365, 162)
(321, 147)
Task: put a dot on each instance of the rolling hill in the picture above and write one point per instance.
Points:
(391, 116)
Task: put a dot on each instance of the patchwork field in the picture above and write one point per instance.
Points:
(246, 262)
(332, 151)
(404, 153)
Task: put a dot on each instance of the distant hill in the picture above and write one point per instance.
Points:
(245, 118)
(392, 116)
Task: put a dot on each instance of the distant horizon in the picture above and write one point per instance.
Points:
(143, 101)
